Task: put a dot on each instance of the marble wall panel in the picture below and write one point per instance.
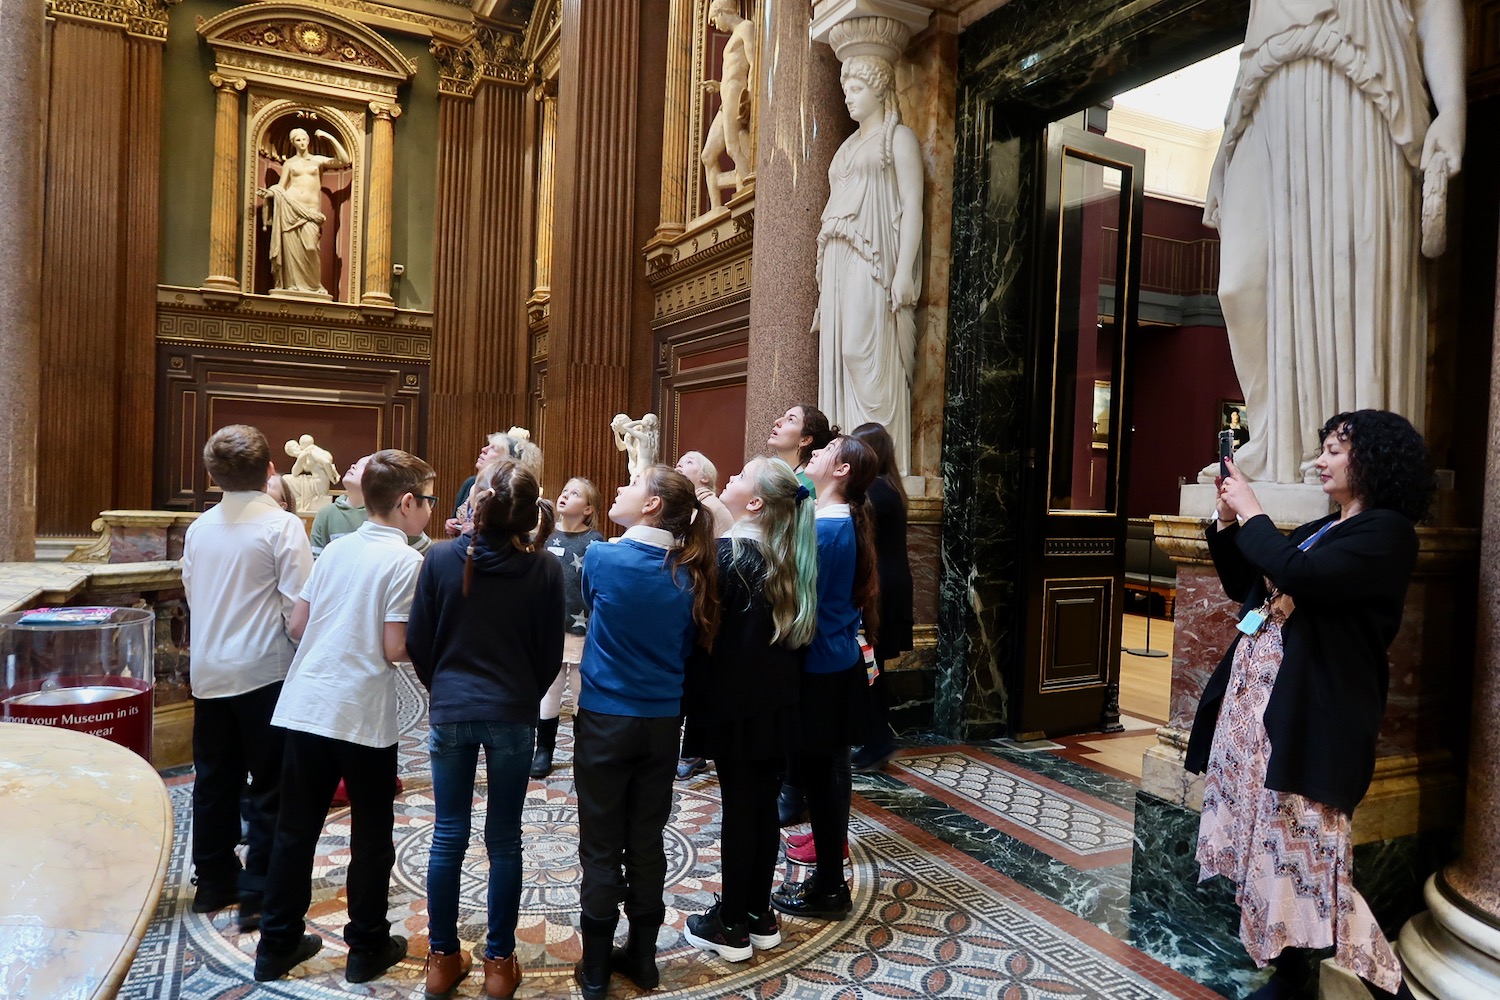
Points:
(1203, 628)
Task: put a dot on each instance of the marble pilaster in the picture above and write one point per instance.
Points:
(1453, 950)
(22, 96)
(802, 122)
(377, 284)
(224, 236)
(594, 266)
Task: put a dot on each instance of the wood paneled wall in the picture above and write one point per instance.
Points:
(484, 260)
(100, 202)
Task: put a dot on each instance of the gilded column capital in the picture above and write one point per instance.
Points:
(458, 67)
(385, 110)
(143, 18)
(225, 83)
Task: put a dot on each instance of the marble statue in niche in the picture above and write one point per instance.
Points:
(1321, 280)
(640, 440)
(869, 256)
(730, 129)
(311, 474)
(292, 212)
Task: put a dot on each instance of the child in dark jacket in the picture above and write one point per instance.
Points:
(483, 637)
(651, 596)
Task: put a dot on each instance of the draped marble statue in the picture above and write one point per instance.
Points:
(311, 474)
(869, 261)
(640, 440)
(293, 214)
(1320, 199)
(730, 130)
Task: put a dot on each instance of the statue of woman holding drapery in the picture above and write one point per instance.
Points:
(293, 213)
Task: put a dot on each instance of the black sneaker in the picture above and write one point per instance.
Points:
(689, 766)
(707, 931)
(271, 965)
(213, 896)
(541, 764)
(765, 932)
(805, 899)
(364, 966)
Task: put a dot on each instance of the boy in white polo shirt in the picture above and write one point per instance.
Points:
(244, 561)
(339, 709)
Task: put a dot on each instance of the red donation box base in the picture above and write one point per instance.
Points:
(113, 708)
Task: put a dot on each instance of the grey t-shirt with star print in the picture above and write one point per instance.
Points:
(569, 547)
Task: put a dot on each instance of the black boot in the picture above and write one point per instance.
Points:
(637, 960)
(546, 742)
(598, 938)
(791, 805)
(1403, 992)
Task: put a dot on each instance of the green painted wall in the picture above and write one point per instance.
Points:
(187, 158)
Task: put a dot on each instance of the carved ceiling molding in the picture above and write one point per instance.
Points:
(544, 39)
(453, 21)
(287, 44)
(490, 53)
(142, 18)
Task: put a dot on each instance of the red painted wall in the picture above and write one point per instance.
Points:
(1181, 375)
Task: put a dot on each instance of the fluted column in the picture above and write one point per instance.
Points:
(377, 287)
(675, 121)
(1453, 950)
(546, 191)
(224, 234)
(451, 448)
(594, 263)
(802, 122)
(21, 100)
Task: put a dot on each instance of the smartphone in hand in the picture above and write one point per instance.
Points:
(1226, 451)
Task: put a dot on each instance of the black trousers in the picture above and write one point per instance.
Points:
(750, 833)
(313, 767)
(233, 738)
(622, 770)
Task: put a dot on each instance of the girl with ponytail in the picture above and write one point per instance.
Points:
(742, 693)
(834, 683)
(651, 600)
(483, 637)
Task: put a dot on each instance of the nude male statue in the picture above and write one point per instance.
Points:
(730, 130)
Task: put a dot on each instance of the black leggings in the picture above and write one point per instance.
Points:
(750, 834)
(826, 783)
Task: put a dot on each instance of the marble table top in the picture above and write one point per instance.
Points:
(85, 839)
(27, 584)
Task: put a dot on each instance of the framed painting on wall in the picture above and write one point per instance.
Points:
(1101, 415)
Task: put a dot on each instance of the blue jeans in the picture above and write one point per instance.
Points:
(508, 747)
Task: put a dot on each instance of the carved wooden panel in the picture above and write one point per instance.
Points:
(352, 407)
(701, 365)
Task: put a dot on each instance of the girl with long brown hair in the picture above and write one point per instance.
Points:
(834, 687)
(651, 599)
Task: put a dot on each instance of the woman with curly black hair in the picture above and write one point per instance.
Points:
(1287, 725)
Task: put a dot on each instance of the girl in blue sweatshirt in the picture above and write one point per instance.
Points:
(835, 686)
(651, 597)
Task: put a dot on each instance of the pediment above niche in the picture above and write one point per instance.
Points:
(308, 48)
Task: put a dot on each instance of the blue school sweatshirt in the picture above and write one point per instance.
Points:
(641, 628)
(834, 645)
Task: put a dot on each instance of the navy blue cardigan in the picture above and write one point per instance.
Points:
(1325, 709)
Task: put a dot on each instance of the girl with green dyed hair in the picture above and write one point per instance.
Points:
(741, 695)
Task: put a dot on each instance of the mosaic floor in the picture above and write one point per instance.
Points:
(977, 871)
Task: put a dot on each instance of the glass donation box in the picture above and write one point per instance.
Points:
(87, 669)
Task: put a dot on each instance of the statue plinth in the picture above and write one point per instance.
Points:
(1287, 503)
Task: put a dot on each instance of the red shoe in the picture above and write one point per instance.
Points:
(807, 854)
(799, 839)
(340, 796)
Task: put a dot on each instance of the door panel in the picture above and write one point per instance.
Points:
(1074, 554)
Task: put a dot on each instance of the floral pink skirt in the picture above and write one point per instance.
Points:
(1289, 857)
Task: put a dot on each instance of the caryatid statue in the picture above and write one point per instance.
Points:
(295, 217)
(1330, 168)
(730, 130)
(869, 246)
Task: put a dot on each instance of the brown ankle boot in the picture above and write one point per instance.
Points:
(501, 977)
(446, 971)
